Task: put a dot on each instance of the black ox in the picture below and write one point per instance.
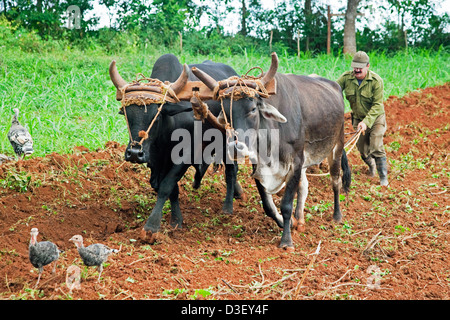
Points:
(156, 149)
(307, 115)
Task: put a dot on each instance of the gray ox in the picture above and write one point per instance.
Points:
(307, 113)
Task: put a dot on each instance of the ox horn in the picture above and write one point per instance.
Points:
(180, 83)
(272, 70)
(115, 76)
(205, 78)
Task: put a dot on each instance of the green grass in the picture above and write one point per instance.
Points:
(67, 99)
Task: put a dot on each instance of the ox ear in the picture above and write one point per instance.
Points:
(269, 112)
(172, 109)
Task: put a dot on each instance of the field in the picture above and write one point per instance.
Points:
(67, 99)
(393, 242)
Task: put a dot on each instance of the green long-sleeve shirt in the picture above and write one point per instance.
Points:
(366, 100)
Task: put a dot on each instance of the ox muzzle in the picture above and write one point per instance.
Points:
(135, 154)
(239, 151)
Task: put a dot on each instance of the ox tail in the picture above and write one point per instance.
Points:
(347, 174)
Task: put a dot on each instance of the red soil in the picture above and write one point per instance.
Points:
(401, 232)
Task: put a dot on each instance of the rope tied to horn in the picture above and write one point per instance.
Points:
(153, 91)
(236, 88)
(156, 97)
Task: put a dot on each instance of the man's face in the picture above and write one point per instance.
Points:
(360, 73)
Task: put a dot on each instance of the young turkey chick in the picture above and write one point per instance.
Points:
(94, 255)
(42, 253)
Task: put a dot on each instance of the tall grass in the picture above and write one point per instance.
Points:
(66, 98)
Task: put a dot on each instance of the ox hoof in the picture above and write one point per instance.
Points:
(147, 236)
(176, 225)
(337, 219)
(287, 248)
(294, 222)
(298, 225)
(241, 197)
(227, 211)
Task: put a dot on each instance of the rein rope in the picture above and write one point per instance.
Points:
(165, 87)
(352, 141)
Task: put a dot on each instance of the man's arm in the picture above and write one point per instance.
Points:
(377, 106)
(341, 81)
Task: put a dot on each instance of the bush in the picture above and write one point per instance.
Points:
(6, 31)
(199, 42)
(30, 41)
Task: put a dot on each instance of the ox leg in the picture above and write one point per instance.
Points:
(287, 203)
(153, 223)
(200, 171)
(334, 161)
(269, 207)
(302, 193)
(176, 220)
(230, 178)
(238, 191)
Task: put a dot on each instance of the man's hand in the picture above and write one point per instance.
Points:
(362, 127)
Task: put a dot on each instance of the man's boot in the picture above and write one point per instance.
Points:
(382, 170)
(370, 161)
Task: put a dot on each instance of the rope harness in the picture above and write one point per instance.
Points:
(236, 88)
(154, 91)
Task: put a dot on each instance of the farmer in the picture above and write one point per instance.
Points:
(363, 88)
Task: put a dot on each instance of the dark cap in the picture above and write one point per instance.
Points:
(360, 60)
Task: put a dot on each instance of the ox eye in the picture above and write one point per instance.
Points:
(253, 110)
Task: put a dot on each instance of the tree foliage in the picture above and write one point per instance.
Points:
(174, 24)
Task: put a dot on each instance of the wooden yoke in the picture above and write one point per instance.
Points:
(239, 87)
(210, 89)
(156, 91)
(195, 88)
(201, 112)
(142, 94)
(152, 91)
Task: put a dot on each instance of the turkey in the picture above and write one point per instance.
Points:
(19, 137)
(93, 255)
(42, 253)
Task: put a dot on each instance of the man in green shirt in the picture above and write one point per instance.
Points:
(363, 88)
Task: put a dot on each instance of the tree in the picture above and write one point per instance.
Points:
(46, 16)
(110, 5)
(244, 15)
(216, 11)
(416, 20)
(316, 28)
(155, 21)
(249, 13)
(171, 17)
(349, 26)
(308, 22)
(436, 35)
